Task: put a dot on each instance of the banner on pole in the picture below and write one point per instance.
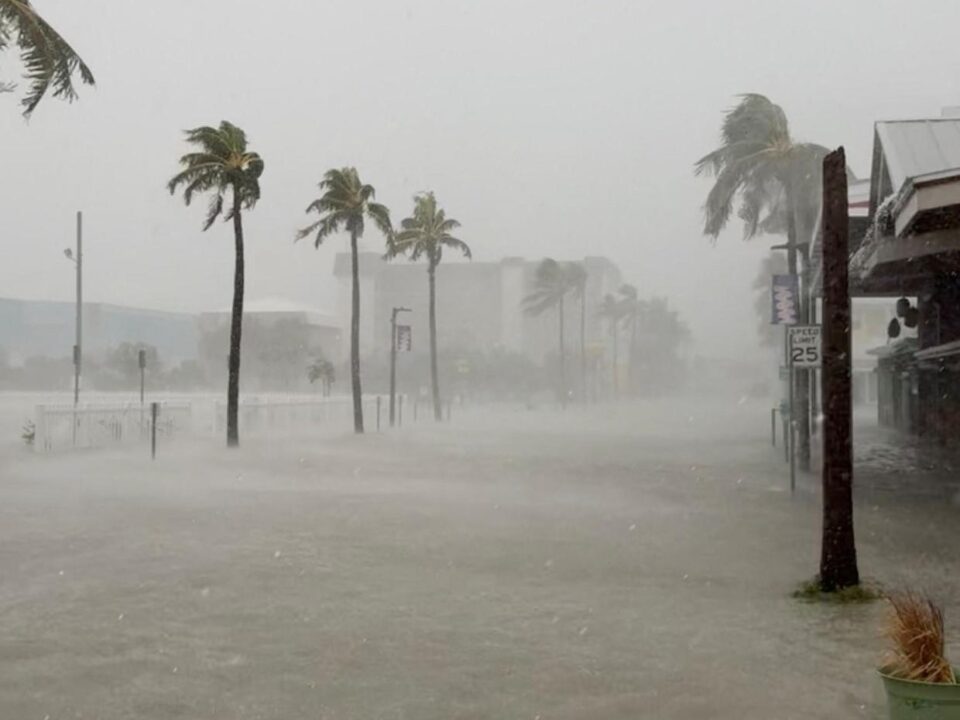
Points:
(785, 300)
(404, 338)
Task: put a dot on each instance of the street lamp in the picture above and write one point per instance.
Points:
(393, 360)
(77, 260)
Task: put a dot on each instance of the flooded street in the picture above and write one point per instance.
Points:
(610, 562)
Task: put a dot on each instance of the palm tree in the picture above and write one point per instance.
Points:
(778, 183)
(48, 59)
(612, 310)
(323, 370)
(577, 282)
(551, 283)
(426, 234)
(345, 204)
(223, 164)
(630, 309)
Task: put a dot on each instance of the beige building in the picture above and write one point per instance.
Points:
(479, 304)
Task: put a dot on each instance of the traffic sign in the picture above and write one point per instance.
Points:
(805, 346)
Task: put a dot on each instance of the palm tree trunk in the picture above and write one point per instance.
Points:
(236, 327)
(616, 360)
(434, 375)
(633, 353)
(583, 345)
(355, 338)
(563, 359)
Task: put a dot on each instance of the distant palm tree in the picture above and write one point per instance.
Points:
(426, 234)
(47, 58)
(551, 283)
(223, 164)
(778, 182)
(345, 204)
(611, 309)
(323, 370)
(630, 308)
(577, 282)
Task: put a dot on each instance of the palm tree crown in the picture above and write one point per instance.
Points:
(344, 204)
(551, 281)
(426, 233)
(221, 163)
(49, 61)
(758, 161)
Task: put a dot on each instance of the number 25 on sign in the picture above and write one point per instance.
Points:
(805, 346)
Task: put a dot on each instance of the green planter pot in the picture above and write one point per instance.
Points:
(911, 700)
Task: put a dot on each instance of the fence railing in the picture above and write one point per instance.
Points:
(68, 427)
(271, 415)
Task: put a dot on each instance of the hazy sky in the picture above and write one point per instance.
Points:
(556, 127)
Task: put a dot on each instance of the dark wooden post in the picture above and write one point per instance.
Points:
(838, 558)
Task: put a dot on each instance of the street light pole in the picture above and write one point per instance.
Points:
(77, 261)
(393, 361)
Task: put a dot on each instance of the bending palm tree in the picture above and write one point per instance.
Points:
(551, 283)
(759, 162)
(223, 164)
(577, 282)
(425, 235)
(48, 59)
(345, 204)
(612, 310)
(630, 307)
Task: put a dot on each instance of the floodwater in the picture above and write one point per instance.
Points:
(629, 561)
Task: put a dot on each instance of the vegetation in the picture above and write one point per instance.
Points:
(324, 371)
(223, 164)
(48, 59)
(612, 311)
(915, 629)
(812, 591)
(425, 234)
(551, 283)
(345, 204)
(577, 282)
(777, 181)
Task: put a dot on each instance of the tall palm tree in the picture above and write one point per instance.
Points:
(346, 203)
(425, 234)
(577, 282)
(777, 180)
(551, 283)
(48, 60)
(611, 309)
(222, 164)
(630, 309)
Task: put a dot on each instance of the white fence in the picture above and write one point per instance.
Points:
(65, 427)
(264, 416)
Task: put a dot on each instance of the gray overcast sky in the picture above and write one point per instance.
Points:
(560, 127)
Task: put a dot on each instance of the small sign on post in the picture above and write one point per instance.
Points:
(404, 338)
(784, 297)
(805, 346)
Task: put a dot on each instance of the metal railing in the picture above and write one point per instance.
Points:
(264, 416)
(69, 427)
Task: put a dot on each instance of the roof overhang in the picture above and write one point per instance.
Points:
(931, 200)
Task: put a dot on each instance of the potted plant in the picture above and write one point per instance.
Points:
(919, 681)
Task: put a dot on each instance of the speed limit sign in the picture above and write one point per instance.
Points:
(805, 346)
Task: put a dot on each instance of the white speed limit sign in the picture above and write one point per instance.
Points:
(805, 346)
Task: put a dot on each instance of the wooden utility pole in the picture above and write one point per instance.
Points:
(838, 558)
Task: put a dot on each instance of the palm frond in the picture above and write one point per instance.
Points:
(48, 59)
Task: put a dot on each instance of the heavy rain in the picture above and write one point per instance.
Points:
(450, 359)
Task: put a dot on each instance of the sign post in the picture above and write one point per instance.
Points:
(803, 349)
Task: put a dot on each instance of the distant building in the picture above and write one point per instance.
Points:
(46, 328)
(479, 304)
